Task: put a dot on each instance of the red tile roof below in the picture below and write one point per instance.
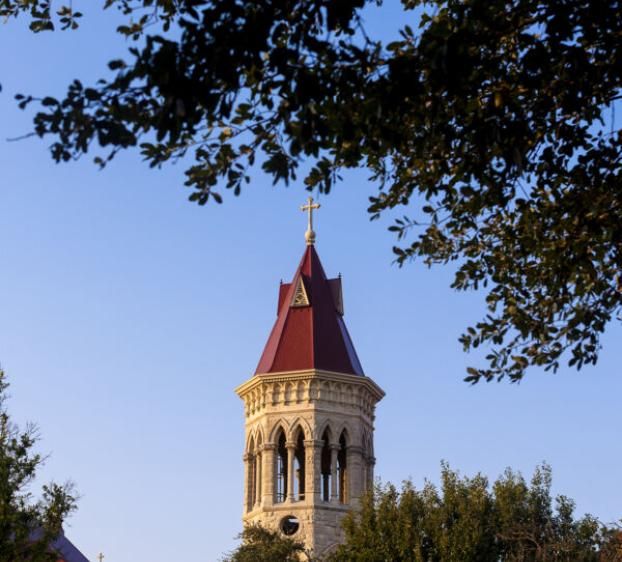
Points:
(314, 336)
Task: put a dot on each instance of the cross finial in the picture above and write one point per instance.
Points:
(310, 207)
(100, 557)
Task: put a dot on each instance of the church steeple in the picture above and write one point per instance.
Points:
(309, 412)
(309, 332)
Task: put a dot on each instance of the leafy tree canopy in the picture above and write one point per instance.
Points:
(467, 519)
(262, 545)
(485, 127)
(27, 526)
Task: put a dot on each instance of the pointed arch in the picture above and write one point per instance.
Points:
(282, 468)
(258, 464)
(344, 435)
(249, 438)
(349, 432)
(327, 425)
(299, 463)
(342, 467)
(279, 424)
(255, 434)
(302, 424)
(297, 431)
(259, 437)
(326, 462)
(251, 475)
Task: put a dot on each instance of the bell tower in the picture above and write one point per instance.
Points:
(309, 412)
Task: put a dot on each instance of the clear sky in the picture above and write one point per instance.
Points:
(128, 316)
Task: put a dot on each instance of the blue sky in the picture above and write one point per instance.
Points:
(128, 315)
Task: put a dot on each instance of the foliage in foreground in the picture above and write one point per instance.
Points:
(468, 520)
(262, 545)
(27, 526)
(486, 125)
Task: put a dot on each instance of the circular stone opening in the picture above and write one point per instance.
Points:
(289, 525)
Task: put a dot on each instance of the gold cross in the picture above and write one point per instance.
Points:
(310, 207)
(100, 557)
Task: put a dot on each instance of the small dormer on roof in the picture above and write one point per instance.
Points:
(300, 297)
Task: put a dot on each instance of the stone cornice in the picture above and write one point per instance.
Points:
(293, 376)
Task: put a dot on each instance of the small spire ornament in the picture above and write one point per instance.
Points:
(310, 207)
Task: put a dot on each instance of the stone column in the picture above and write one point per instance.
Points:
(267, 474)
(313, 458)
(355, 474)
(334, 451)
(291, 477)
(258, 482)
(247, 478)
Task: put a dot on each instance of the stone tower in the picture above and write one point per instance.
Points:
(309, 414)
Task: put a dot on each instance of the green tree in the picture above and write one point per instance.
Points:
(612, 547)
(27, 526)
(262, 545)
(467, 519)
(485, 127)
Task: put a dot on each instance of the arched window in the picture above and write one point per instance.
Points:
(325, 466)
(281, 468)
(342, 469)
(299, 462)
(251, 477)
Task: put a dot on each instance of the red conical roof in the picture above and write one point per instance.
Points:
(309, 332)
